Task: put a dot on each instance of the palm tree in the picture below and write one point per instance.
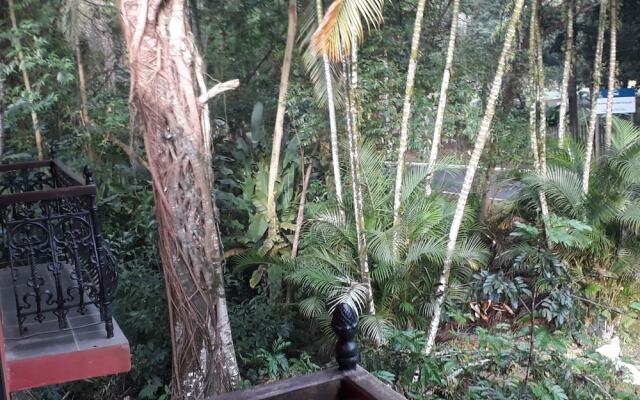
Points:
(612, 72)
(566, 75)
(278, 131)
(327, 273)
(343, 26)
(481, 139)
(353, 138)
(332, 115)
(406, 110)
(337, 37)
(610, 209)
(324, 75)
(536, 89)
(595, 90)
(27, 82)
(442, 101)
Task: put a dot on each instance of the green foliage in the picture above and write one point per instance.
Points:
(492, 365)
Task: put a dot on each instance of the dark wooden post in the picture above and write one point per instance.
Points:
(345, 324)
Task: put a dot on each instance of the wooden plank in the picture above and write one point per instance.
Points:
(24, 165)
(323, 385)
(52, 194)
(68, 172)
(363, 385)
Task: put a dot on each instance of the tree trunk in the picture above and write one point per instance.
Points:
(566, 76)
(483, 134)
(27, 83)
(278, 130)
(335, 146)
(167, 76)
(612, 73)
(595, 93)
(542, 128)
(353, 136)
(1, 117)
(300, 216)
(442, 101)
(82, 85)
(406, 116)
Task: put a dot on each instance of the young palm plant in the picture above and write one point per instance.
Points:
(327, 272)
(606, 264)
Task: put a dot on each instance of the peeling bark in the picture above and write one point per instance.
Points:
(167, 77)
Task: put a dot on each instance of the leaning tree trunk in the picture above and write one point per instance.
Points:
(612, 74)
(406, 116)
(483, 134)
(353, 139)
(335, 157)
(82, 84)
(27, 82)
(278, 130)
(1, 116)
(595, 91)
(566, 76)
(168, 91)
(442, 101)
(536, 87)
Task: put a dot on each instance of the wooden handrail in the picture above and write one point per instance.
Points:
(51, 194)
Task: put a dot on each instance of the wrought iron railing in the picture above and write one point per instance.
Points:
(52, 243)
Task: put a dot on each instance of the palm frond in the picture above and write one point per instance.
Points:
(343, 25)
(563, 189)
(314, 63)
(375, 327)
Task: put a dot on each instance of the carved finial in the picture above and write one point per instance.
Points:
(345, 324)
(88, 175)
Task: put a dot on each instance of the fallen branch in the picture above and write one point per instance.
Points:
(219, 89)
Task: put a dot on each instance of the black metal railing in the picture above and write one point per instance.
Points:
(52, 243)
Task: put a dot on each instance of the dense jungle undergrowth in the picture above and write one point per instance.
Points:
(544, 263)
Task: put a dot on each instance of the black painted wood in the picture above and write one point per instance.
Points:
(344, 323)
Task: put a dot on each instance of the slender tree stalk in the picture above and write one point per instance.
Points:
(406, 116)
(542, 128)
(82, 85)
(481, 139)
(300, 216)
(353, 137)
(335, 157)
(566, 76)
(1, 116)
(595, 92)
(27, 82)
(278, 130)
(612, 73)
(442, 101)
(535, 88)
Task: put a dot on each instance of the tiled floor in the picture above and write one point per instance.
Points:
(83, 332)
